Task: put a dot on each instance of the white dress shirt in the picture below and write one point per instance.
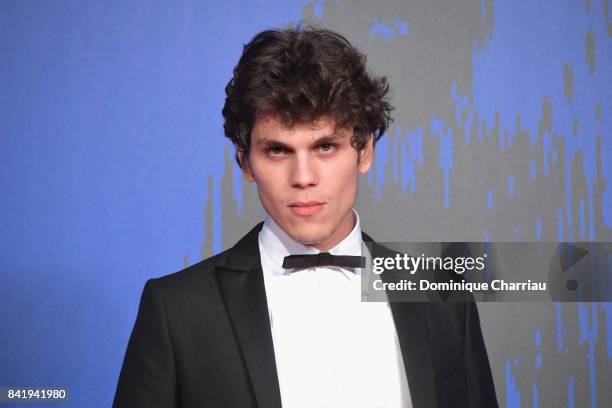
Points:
(331, 349)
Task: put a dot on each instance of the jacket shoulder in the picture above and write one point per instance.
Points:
(199, 279)
(194, 279)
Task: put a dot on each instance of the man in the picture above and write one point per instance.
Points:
(261, 325)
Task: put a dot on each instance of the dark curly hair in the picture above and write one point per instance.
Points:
(301, 74)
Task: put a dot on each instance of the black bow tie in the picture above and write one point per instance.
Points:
(323, 259)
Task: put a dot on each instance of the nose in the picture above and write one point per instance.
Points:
(304, 171)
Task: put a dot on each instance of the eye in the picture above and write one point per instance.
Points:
(275, 151)
(327, 147)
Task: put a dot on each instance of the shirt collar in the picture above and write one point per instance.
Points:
(277, 244)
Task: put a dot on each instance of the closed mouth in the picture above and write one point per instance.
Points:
(306, 204)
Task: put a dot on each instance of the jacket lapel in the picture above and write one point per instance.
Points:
(412, 331)
(411, 326)
(242, 287)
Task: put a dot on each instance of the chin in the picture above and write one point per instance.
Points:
(310, 237)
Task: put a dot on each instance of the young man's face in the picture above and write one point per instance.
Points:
(307, 177)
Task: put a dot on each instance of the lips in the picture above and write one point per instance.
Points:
(304, 208)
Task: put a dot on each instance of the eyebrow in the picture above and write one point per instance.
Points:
(269, 142)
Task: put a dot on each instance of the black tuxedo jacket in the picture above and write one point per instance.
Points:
(202, 338)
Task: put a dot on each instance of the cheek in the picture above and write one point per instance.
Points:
(343, 182)
(343, 172)
(269, 200)
(270, 186)
(268, 189)
(263, 175)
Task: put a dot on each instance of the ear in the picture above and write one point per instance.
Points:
(246, 166)
(366, 155)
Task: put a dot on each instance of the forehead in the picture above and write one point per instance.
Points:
(271, 128)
